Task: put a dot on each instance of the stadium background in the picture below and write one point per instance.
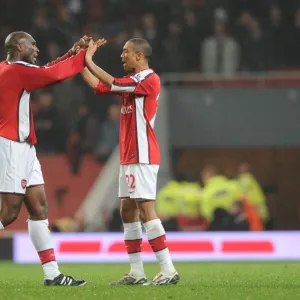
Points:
(230, 99)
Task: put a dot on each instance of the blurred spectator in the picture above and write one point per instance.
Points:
(189, 207)
(254, 47)
(233, 219)
(77, 144)
(75, 6)
(220, 53)
(218, 192)
(237, 218)
(154, 36)
(69, 224)
(109, 134)
(63, 27)
(174, 50)
(262, 38)
(150, 28)
(167, 205)
(42, 32)
(294, 44)
(219, 220)
(49, 126)
(242, 25)
(252, 190)
(277, 38)
(192, 37)
(115, 223)
(179, 204)
(53, 51)
(67, 97)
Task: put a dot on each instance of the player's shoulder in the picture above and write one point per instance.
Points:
(22, 64)
(7, 68)
(147, 74)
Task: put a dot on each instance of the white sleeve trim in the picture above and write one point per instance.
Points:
(20, 62)
(125, 89)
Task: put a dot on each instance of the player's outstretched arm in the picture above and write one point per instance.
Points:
(34, 78)
(93, 82)
(103, 76)
(60, 59)
(83, 43)
(89, 78)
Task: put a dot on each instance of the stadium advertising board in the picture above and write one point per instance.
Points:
(109, 247)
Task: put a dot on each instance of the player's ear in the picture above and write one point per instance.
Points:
(19, 47)
(139, 56)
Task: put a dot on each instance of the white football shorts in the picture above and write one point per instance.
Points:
(19, 167)
(138, 181)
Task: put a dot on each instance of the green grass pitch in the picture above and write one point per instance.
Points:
(203, 281)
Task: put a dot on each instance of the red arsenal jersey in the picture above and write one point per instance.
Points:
(140, 92)
(17, 80)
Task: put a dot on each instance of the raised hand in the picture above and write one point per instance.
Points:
(93, 46)
(83, 43)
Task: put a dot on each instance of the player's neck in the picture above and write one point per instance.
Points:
(140, 68)
(13, 57)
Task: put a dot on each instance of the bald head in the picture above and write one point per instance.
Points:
(20, 45)
(141, 45)
(13, 39)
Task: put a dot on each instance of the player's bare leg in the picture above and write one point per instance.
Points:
(37, 207)
(10, 208)
(133, 241)
(157, 240)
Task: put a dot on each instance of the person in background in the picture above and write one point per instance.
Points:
(237, 218)
(252, 190)
(167, 204)
(220, 52)
(189, 207)
(254, 47)
(77, 138)
(50, 127)
(293, 48)
(218, 192)
(109, 134)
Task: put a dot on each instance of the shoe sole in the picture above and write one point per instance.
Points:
(169, 283)
(82, 284)
(138, 283)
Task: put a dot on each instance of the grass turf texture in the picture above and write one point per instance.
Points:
(208, 281)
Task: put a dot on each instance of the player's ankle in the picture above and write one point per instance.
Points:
(168, 272)
(137, 273)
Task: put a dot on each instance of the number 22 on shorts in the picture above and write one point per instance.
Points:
(130, 181)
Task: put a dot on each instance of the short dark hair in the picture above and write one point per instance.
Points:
(142, 45)
(12, 40)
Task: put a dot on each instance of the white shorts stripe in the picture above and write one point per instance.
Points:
(142, 135)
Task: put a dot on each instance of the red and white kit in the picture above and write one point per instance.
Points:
(139, 149)
(19, 166)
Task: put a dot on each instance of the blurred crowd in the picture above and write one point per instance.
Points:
(208, 36)
(215, 202)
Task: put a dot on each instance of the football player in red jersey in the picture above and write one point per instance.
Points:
(139, 155)
(21, 178)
